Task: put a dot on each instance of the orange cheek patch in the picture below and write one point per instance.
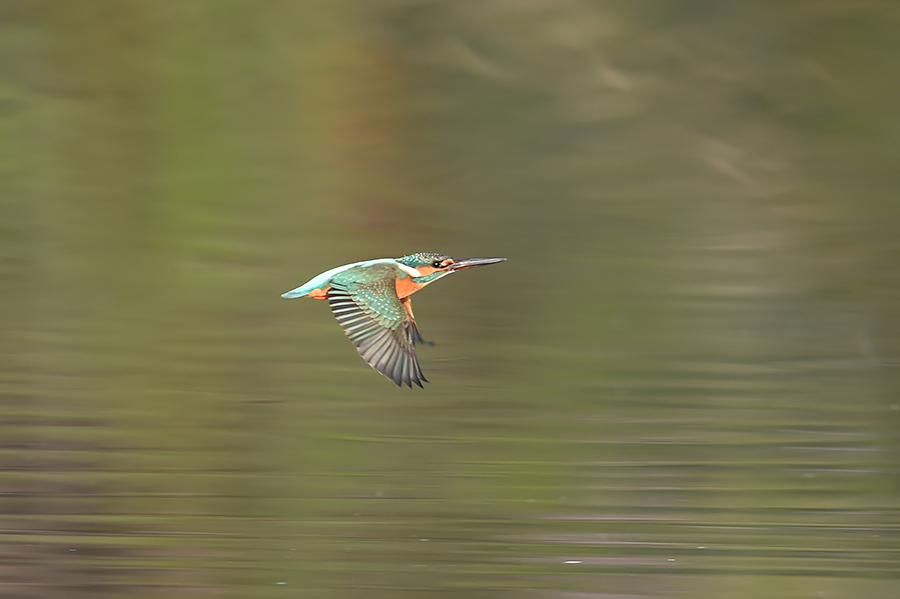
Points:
(406, 287)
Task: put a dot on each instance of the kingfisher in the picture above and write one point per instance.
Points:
(370, 300)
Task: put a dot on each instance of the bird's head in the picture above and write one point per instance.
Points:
(432, 267)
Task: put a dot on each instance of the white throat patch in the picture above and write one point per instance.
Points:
(409, 270)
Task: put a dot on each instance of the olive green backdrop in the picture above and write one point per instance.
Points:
(683, 382)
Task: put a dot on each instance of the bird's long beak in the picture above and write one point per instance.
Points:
(473, 262)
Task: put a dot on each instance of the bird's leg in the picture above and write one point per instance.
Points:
(417, 336)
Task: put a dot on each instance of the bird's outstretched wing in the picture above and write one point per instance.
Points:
(381, 329)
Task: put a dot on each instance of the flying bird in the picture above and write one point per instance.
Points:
(370, 300)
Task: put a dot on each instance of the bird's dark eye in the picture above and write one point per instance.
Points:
(436, 264)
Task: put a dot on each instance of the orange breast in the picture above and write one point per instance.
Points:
(406, 287)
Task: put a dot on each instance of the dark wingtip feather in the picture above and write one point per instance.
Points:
(388, 350)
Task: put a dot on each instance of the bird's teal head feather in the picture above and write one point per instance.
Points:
(421, 259)
(433, 266)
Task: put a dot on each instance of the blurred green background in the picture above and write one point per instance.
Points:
(684, 381)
